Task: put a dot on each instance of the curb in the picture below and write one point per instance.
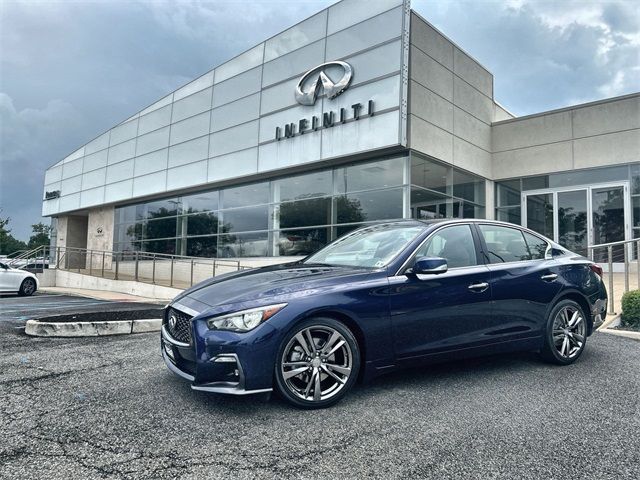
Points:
(621, 333)
(613, 321)
(35, 328)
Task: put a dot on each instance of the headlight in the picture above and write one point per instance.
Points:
(245, 320)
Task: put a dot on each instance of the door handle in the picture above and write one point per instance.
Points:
(550, 277)
(478, 287)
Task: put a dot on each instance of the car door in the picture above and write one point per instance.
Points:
(447, 311)
(524, 278)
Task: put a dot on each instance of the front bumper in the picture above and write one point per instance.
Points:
(226, 368)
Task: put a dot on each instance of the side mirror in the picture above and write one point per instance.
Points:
(429, 265)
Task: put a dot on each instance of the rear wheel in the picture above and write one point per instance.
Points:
(318, 363)
(27, 288)
(566, 333)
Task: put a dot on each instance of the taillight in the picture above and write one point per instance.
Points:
(596, 268)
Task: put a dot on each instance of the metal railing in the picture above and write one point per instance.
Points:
(35, 260)
(160, 269)
(620, 259)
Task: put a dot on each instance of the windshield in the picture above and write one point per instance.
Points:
(372, 247)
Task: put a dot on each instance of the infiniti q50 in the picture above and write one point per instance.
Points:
(377, 299)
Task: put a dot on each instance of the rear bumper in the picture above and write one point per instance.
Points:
(225, 368)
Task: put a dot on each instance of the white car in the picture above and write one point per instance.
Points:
(15, 280)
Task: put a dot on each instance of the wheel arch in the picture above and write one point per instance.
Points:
(581, 300)
(350, 323)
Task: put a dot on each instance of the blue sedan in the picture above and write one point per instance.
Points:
(380, 298)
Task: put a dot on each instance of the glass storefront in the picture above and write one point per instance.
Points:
(576, 209)
(297, 215)
(442, 191)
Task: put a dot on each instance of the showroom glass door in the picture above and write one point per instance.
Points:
(577, 217)
(573, 228)
(608, 220)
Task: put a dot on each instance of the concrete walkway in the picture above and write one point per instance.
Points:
(101, 295)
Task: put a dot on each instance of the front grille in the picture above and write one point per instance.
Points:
(180, 330)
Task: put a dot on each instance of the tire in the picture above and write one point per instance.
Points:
(28, 287)
(331, 362)
(565, 335)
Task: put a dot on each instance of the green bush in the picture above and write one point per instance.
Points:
(631, 308)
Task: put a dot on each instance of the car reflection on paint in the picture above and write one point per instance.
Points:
(380, 298)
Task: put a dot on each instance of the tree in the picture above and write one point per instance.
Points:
(8, 244)
(40, 235)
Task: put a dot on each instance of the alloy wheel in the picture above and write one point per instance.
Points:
(316, 363)
(29, 287)
(568, 332)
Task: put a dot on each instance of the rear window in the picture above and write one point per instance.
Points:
(537, 246)
(504, 244)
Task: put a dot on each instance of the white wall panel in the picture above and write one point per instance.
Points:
(243, 62)
(118, 191)
(53, 174)
(93, 196)
(237, 87)
(148, 184)
(365, 134)
(304, 33)
(289, 152)
(190, 128)
(95, 160)
(235, 113)
(294, 63)
(93, 179)
(187, 175)
(233, 139)
(233, 165)
(119, 171)
(70, 202)
(122, 151)
(188, 152)
(71, 169)
(124, 131)
(348, 12)
(364, 35)
(151, 162)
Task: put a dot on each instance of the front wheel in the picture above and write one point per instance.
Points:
(27, 288)
(565, 334)
(318, 363)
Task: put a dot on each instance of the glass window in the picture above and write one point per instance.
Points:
(368, 206)
(635, 179)
(469, 187)
(535, 183)
(428, 174)
(253, 194)
(588, 177)
(636, 211)
(455, 244)
(504, 244)
(316, 211)
(511, 215)
(161, 228)
(540, 214)
(160, 246)
(246, 219)
(243, 245)
(508, 193)
(158, 209)
(202, 246)
(429, 205)
(537, 246)
(316, 184)
(367, 176)
(302, 242)
(128, 232)
(126, 214)
(201, 224)
(373, 246)
(200, 202)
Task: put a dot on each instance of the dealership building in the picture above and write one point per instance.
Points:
(362, 112)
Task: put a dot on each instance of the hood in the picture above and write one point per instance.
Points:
(267, 282)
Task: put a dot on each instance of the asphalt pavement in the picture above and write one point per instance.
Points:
(108, 408)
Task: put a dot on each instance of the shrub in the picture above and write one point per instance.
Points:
(631, 308)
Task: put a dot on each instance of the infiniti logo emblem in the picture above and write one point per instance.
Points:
(172, 322)
(311, 90)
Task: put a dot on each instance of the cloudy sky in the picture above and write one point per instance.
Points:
(70, 70)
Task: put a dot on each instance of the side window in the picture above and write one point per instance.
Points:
(504, 244)
(537, 246)
(455, 244)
